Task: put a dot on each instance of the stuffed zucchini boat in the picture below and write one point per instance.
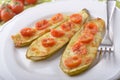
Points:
(52, 41)
(81, 51)
(28, 34)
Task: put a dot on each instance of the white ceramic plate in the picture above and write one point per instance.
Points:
(14, 65)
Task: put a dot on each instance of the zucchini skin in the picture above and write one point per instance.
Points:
(80, 69)
(19, 41)
(29, 55)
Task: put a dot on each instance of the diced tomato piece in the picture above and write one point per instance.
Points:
(79, 48)
(17, 7)
(67, 26)
(27, 32)
(40, 25)
(6, 14)
(91, 27)
(73, 61)
(48, 42)
(76, 18)
(57, 18)
(86, 38)
(57, 33)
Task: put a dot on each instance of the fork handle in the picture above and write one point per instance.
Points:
(111, 5)
(110, 11)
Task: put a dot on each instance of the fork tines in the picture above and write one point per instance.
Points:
(106, 48)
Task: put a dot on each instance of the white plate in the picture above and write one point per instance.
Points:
(14, 65)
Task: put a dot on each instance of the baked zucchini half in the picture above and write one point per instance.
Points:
(49, 43)
(27, 35)
(81, 51)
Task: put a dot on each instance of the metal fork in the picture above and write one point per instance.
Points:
(107, 43)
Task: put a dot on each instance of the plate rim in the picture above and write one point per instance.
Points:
(15, 19)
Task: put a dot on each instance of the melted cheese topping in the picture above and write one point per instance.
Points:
(91, 47)
(46, 51)
(19, 40)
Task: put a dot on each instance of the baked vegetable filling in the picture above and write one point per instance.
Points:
(79, 48)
